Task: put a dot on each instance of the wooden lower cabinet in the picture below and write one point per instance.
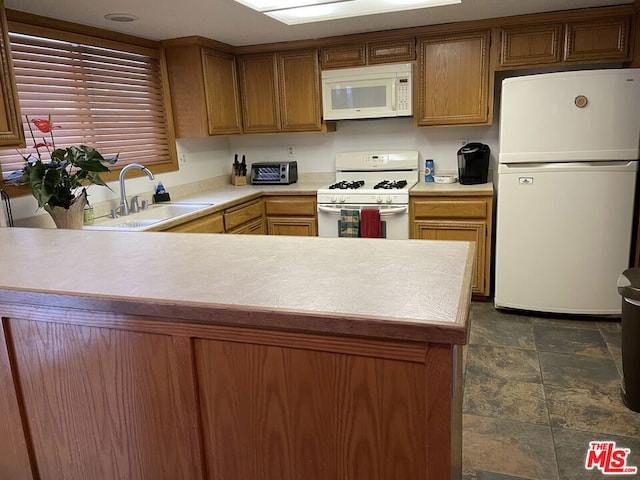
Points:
(247, 217)
(101, 395)
(213, 223)
(467, 218)
(291, 215)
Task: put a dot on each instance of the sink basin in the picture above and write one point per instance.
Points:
(155, 213)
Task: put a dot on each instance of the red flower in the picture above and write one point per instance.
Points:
(44, 125)
(44, 144)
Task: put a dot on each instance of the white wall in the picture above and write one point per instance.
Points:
(316, 152)
(212, 157)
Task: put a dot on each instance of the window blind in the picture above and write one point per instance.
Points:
(105, 97)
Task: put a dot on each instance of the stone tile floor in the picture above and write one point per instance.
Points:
(537, 391)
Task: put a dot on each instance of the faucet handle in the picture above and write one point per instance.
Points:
(134, 206)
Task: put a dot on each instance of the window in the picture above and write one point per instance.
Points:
(100, 92)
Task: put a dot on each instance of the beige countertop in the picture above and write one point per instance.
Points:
(404, 289)
(432, 188)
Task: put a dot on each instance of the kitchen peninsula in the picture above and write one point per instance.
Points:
(192, 356)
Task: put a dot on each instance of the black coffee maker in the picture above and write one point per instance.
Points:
(473, 163)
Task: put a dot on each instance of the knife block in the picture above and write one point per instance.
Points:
(238, 180)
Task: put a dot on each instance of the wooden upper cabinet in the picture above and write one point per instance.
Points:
(299, 85)
(368, 53)
(259, 93)
(341, 56)
(453, 79)
(389, 51)
(525, 45)
(221, 93)
(204, 91)
(11, 131)
(281, 92)
(603, 39)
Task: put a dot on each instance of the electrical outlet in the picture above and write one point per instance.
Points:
(183, 158)
(290, 151)
(464, 141)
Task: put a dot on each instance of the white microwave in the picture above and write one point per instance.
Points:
(367, 92)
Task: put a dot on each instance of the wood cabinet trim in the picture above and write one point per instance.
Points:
(408, 351)
(11, 131)
(391, 50)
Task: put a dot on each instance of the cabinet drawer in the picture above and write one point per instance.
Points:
(293, 205)
(453, 208)
(254, 227)
(236, 216)
(209, 224)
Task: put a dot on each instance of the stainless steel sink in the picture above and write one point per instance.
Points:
(155, 213)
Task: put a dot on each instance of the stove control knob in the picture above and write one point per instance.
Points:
(343, 199)
(389, 199)
(378, 199)
(334, 199)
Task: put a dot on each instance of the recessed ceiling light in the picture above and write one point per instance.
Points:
(121, 17)
(294, 12)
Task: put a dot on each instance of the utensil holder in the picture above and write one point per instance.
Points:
(238, 180)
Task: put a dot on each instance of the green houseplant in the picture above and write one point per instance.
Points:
(59, 184)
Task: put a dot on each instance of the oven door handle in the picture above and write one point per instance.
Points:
(386, 212)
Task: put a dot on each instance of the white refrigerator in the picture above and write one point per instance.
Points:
(569, 145)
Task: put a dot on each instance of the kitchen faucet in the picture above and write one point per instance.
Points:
(124, 208)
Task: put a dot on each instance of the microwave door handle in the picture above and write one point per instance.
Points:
(394, 98)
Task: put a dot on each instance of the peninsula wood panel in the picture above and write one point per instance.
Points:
(14, 454)
(276, 413)
(100, 403)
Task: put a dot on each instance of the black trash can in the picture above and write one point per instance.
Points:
(629, 288)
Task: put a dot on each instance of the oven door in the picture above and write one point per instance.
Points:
(394, 219)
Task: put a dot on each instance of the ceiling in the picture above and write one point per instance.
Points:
(235, 24)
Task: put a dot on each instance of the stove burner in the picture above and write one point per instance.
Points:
(388, 185)
(344, 185)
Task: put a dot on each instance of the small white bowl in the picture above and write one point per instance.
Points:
(445, 179)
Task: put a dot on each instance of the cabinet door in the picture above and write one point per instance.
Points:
(525, 45)
(210, 224)
(339, 56)
(453, 230)
(598, 40)
(11, 132)
(254, 227)
(259, 93)
(389, 51)
(297, 226)
(221, 93)
(453, 86)
(299, 84)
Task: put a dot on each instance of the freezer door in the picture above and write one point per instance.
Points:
(563, 236)
(571, 116)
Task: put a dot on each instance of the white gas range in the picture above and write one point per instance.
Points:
(370, 180)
